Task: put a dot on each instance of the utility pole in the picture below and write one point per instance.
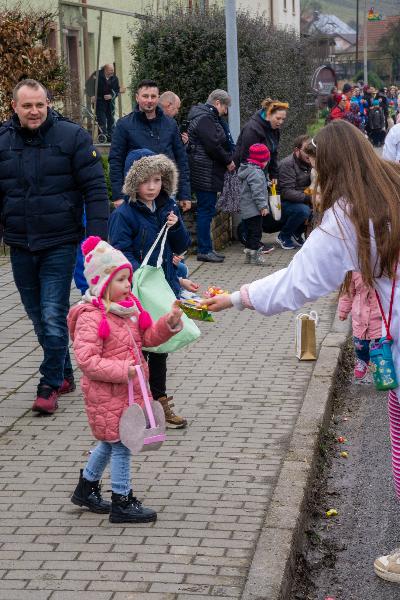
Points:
(357, 28)
(232, 67)
(365, 43)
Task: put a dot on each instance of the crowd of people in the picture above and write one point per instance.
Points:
(373, 111)
(53, 194)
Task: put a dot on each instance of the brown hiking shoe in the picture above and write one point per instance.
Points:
(172, 420)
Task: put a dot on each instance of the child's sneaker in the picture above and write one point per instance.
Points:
(267, 248)
(256, 257)
(388, 567)
(361, 371)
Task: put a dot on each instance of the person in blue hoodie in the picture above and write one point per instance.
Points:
(150, 184)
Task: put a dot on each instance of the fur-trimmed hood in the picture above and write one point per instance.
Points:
(147, 166)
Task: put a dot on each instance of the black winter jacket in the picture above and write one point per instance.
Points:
(105, 87)
(258, 131)
(46, 178)
(376, 118)
(294, 177)
(161, 135)
(209, 149)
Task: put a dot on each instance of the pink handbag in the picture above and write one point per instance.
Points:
(142, 429)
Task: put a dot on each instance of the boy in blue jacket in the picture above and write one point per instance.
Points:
(134, 226)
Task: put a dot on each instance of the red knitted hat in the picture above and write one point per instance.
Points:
(259, 154)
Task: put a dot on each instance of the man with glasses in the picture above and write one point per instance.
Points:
(293, 180)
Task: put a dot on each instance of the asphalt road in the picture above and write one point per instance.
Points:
(340, 551)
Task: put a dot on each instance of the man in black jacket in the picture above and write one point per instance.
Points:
(210, 151)
(294, 177)
(147, 127)
(49, 170)
(107, 91)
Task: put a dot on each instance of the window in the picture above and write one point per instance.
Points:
(285, 5)
(294, 7)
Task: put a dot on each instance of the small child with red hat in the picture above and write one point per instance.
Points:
(108, 329)
(254, 201)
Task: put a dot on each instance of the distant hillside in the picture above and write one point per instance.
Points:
(346, 9)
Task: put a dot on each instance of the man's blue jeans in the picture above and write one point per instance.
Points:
(206, 202)
(294, 216)
(43, 279)
(120, 468)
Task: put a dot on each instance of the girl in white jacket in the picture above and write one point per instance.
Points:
(391, 148)
(359, 231)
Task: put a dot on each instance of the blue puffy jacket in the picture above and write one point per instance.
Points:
(134, 228)
(161, 135)
(46, 178)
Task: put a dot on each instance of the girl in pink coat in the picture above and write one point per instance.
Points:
(108, 329)
(360, 299)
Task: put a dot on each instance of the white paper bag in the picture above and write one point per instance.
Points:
(305, 336)
(275, 207)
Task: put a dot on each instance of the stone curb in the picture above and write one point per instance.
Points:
(271, 572)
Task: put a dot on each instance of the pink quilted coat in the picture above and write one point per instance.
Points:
(105, 363)
(362, 303)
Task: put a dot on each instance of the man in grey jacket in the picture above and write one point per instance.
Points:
(294, 177)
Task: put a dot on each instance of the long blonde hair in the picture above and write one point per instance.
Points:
(348, 167)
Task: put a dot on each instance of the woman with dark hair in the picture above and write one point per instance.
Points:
(359, 231)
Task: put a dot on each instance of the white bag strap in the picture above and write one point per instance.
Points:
(163, 232)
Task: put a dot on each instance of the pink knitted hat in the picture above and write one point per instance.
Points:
(101, 263)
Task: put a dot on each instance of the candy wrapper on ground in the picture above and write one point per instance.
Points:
(192, 310)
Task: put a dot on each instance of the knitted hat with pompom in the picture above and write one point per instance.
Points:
(101, 263)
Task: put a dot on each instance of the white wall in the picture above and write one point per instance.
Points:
(285, 13)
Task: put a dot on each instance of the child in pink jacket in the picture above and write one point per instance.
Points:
(360, 300)
(108, 329)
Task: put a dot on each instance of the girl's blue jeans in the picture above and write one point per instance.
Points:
(120, 458)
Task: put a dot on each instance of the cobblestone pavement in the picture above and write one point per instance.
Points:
(241, 388)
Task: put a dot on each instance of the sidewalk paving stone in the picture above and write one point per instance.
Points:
(240, 387)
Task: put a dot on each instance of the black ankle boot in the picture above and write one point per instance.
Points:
(128, 509)
(88, 493)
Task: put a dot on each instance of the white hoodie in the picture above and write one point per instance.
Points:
(391, 149)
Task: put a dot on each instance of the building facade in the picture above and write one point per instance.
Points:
(86, 36)
(284, 14)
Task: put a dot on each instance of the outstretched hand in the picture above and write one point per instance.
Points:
(174, 316)
(217, 303)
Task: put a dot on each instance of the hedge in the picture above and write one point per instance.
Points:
(185, 52)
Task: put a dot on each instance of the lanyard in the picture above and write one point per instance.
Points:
(388, 321)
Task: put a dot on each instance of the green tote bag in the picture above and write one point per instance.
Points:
(156, 296)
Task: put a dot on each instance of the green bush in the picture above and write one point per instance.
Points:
(186, 53)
